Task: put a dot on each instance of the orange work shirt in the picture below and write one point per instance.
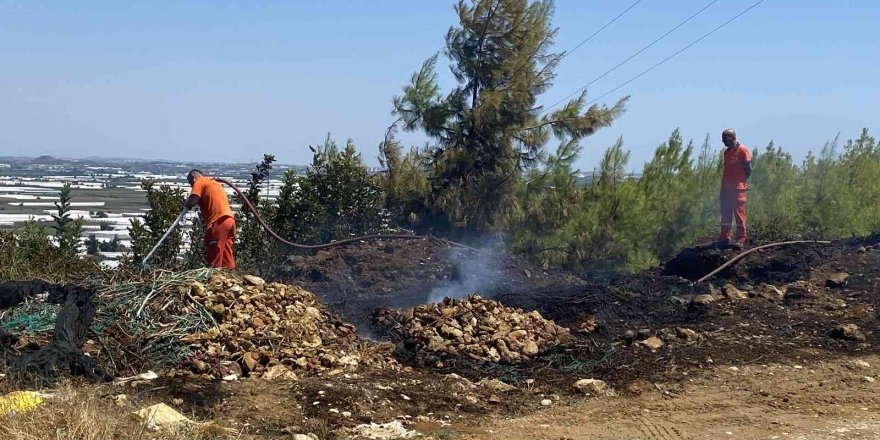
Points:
(735, 160)
(213, 202)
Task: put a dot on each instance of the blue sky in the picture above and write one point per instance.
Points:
(227, 81)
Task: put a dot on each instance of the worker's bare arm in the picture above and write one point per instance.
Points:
(192, 201)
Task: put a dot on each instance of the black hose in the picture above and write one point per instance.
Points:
(265, 226)
(743, 254)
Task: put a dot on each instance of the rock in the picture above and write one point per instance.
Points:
(868, 379)
(862, 250)
(121, 400)
(254, 280)
(861, 364)
(495, 400)
(530, 348)
(836, 304)
(161, 416)
(837, 280)
(798, 290)
(732, 292)
(593, 387)
(281, 372)
(686, 333)
(384, 431)
(654, 343)
(495, 385)
(198, 288)
(629, 336)
(667, 334)
(589, 324)
(199, 366)
(475, 328)
(229, 368)
(644, 333)
(518, 334)
(704, 300)
(177, 402)
(849, 332)
(250, 361)
(546, 402)
(768, 292)
(388, 249)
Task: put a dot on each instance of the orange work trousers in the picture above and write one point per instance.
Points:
(733, 206)
(218, 243)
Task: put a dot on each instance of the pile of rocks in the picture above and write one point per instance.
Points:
(272, 330)
(478, 328)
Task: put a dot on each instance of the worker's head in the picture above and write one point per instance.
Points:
(192, 175)
(729, 138)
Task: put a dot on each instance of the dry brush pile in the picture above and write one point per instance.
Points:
(478, 328)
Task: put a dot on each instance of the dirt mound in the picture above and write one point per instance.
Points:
(382, 268)
(355, 280)
(776, 265)
(481, 329)
(273, 330)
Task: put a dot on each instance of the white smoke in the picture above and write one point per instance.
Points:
(473, 272)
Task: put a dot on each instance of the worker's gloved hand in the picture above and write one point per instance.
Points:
(747, 188)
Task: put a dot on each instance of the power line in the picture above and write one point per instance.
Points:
(599, 30)
(677, 53)
(634, 55)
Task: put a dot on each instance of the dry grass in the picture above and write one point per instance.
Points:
(81, 414)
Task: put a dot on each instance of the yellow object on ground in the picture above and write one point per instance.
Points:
(161, 415)
(19, 402)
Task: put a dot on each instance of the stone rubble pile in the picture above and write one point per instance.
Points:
(271, 330)
(478, 328)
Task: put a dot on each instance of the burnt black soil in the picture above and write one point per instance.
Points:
(358, 280)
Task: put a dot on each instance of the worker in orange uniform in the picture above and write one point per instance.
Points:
(734, 184)
(216, 215)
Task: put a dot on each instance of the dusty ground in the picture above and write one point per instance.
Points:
(757, 366)
(806, 400)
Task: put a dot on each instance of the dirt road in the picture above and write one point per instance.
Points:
(829, 400)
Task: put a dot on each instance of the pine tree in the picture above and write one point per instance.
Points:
(67, 230)
(488, 129)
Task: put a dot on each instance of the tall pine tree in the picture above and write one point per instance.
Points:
(489, 128)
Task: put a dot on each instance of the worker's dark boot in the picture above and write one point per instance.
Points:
(738, 246)
(722, 243)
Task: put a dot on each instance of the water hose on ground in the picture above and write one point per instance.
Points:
(735, 259)
(265, 226)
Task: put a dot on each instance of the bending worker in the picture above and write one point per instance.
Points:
(734, 184)
(216, 215)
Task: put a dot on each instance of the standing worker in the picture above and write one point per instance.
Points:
(216, 215)
(734, 184)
